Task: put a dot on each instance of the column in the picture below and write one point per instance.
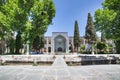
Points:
(93, 47)
(67, 45)
(52, 46)
(28, 51)
(47, 45)
(83, 41)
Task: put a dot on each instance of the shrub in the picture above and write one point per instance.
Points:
(54, 57)
(35, 63)
(101, 46)
(2, 62)
(118, 61)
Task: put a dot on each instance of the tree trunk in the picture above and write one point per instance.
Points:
(11, 45)
(18, 43)
(117, 43)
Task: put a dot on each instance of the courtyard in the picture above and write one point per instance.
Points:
(59, 40)
(59, 70)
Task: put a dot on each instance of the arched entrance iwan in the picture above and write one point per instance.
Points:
(60, 44)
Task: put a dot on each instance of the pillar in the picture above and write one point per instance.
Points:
(28, 50)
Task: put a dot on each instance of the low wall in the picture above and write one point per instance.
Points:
(89, 57)
(68, 58)
(27, 58)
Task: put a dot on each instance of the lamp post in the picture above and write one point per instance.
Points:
(93, 47)
(28, 50)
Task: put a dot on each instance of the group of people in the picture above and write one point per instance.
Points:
(36, 52)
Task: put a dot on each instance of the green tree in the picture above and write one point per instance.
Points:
(103, 21)
(90, 33)
(42, 14)
(12, 45)
(5, 28)
(42, 42)
(16, 14)
(18, 43)
(103, 39)
(101, 46)
(16, 17)
(107, 21)
(20, 18)
(38, 43)
(76, 36)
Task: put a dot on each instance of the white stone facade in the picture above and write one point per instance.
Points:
(59, 42)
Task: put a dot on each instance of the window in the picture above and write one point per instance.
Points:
(49, 42)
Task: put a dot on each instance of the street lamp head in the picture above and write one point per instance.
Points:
(28, 42)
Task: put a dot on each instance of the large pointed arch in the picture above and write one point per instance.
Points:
(60, 43)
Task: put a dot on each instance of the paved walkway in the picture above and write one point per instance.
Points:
(60, 71)
(59, 62)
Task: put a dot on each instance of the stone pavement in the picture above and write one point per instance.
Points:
(60, 71)
(59, 62)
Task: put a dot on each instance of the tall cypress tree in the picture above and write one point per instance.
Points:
(76, 36)
(90, 33)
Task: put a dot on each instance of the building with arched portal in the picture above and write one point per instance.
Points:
(59, 42)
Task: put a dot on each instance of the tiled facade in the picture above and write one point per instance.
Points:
(59, 42)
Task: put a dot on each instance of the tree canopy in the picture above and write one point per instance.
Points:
(26, 18)
(107, 21)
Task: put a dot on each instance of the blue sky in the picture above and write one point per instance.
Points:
(67, 11)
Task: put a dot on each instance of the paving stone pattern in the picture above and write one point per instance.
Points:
(60, 71)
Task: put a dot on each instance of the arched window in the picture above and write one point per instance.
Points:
(49, 49)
